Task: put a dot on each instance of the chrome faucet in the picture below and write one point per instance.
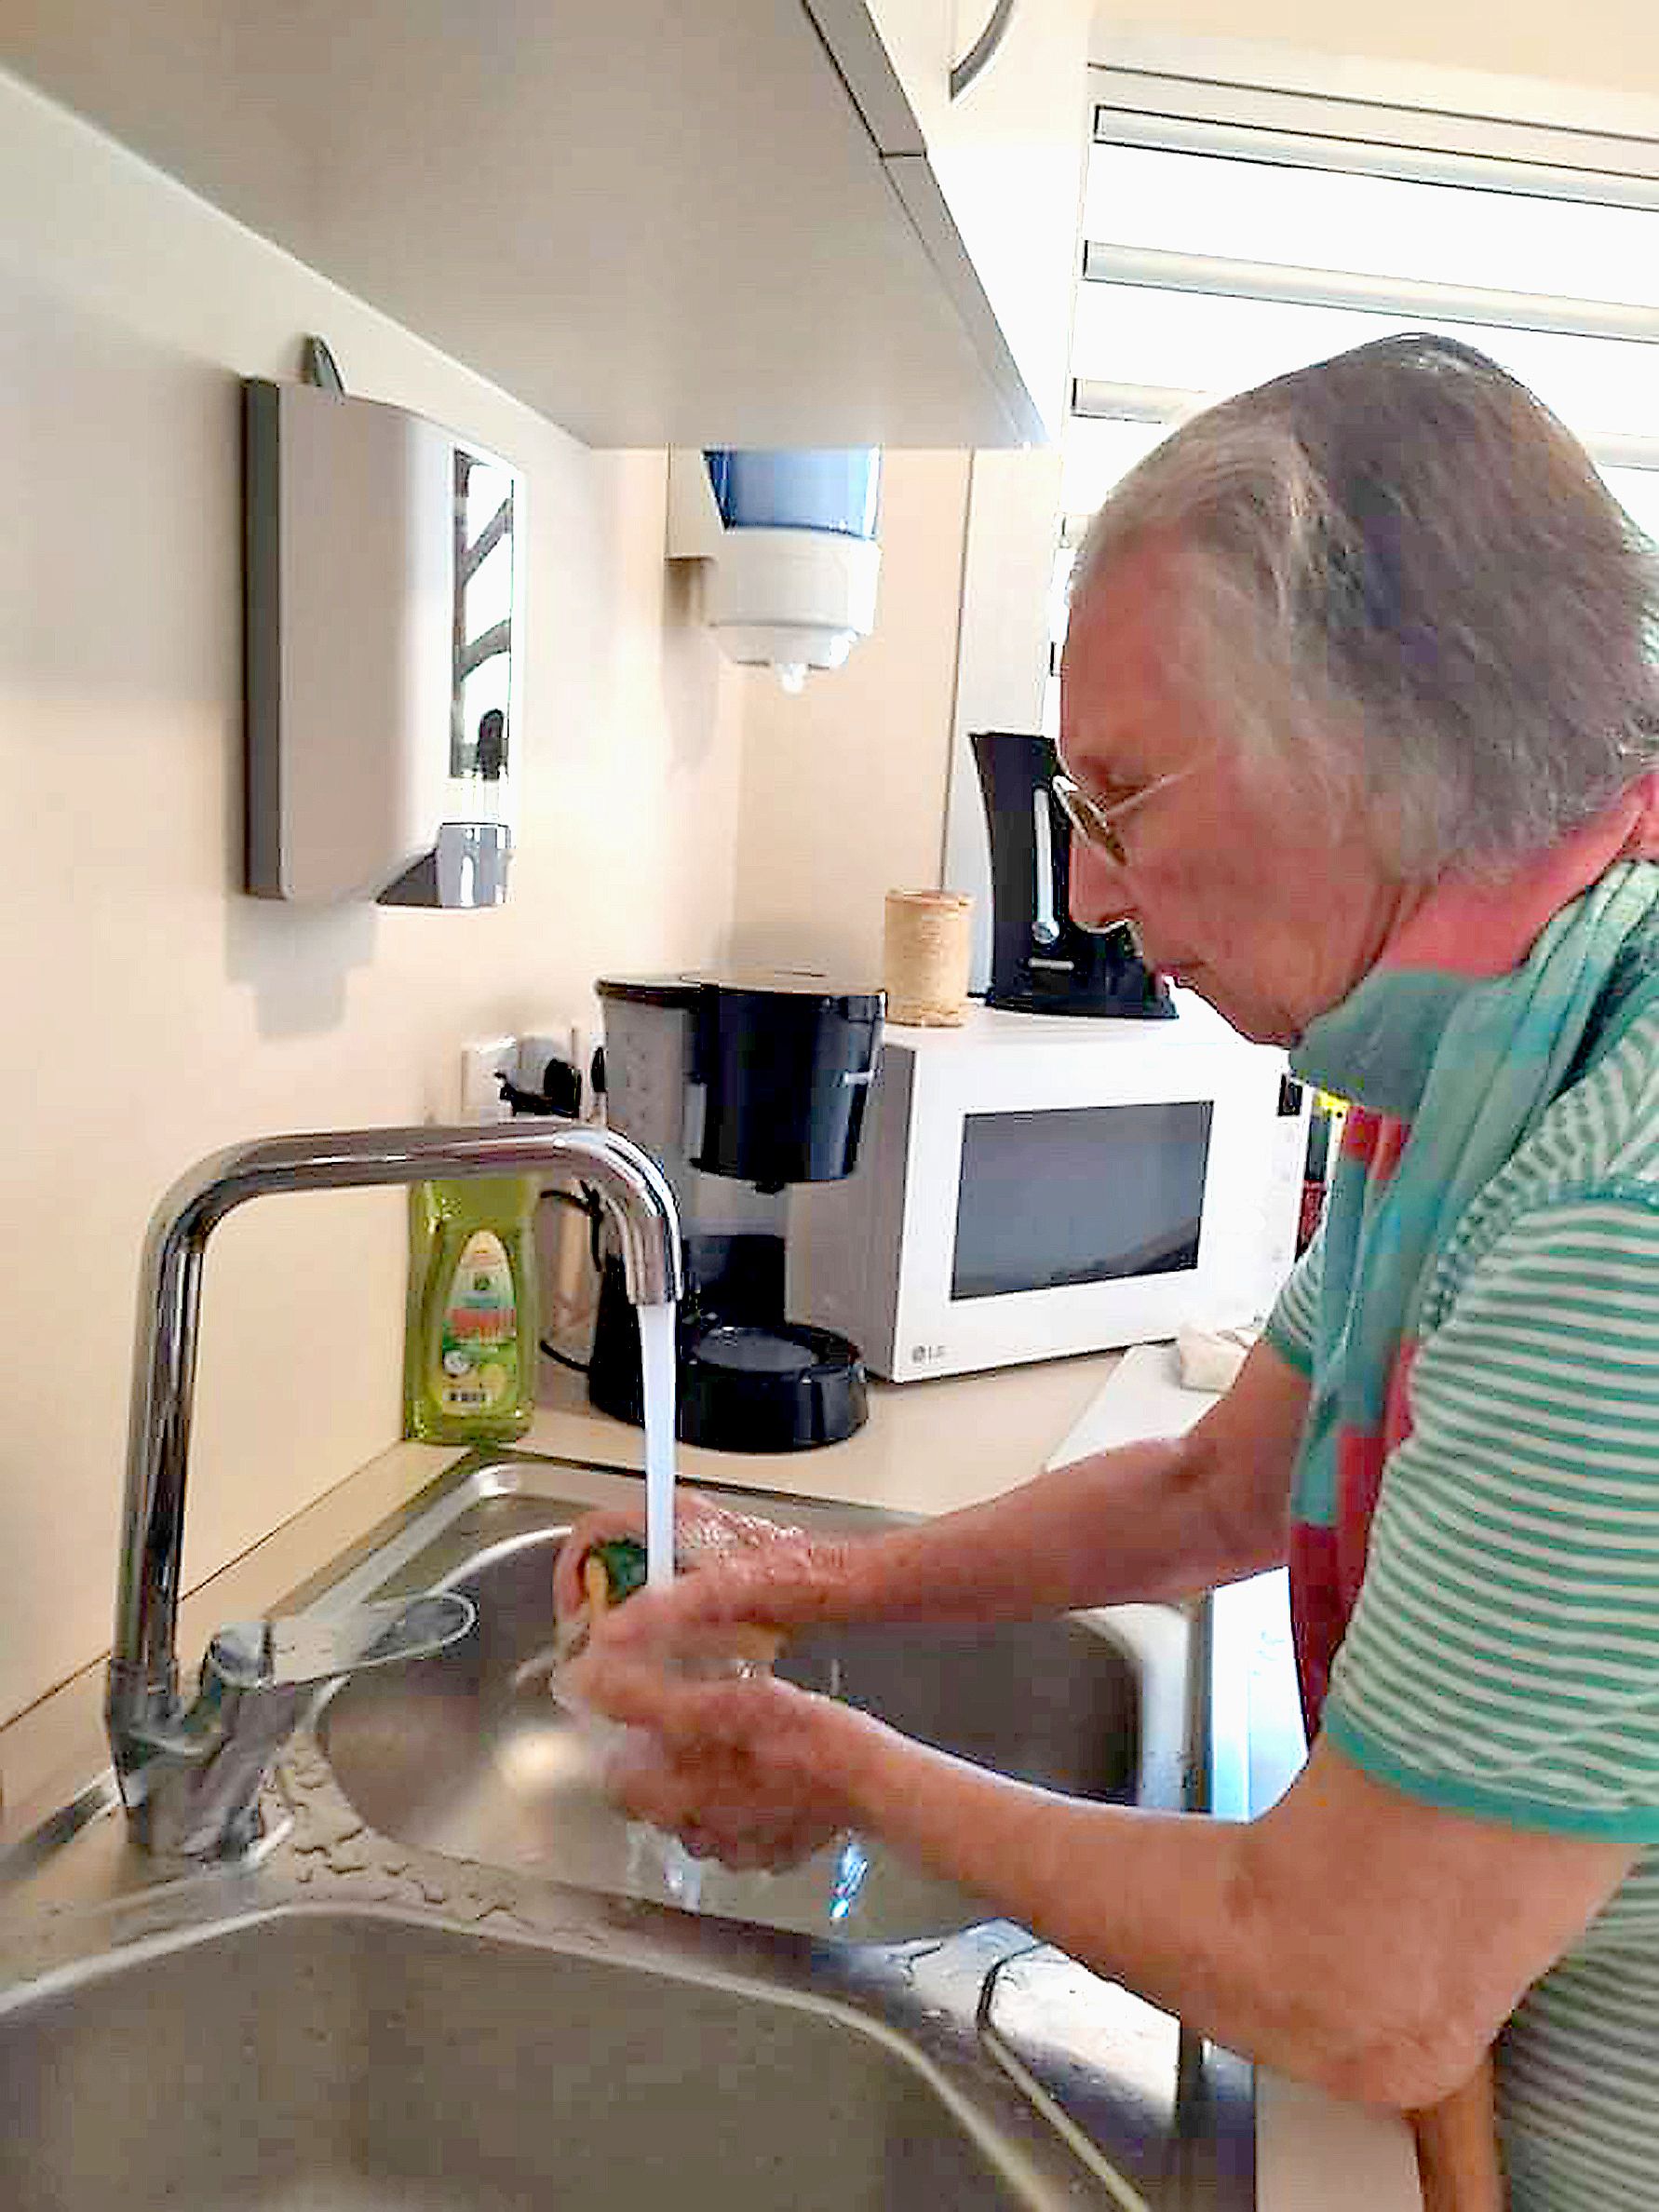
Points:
(191, 1778)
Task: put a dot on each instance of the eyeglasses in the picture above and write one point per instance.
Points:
(1097, 824)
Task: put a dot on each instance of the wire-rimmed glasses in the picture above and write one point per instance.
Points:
(1096, 823)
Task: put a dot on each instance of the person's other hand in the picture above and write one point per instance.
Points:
(742, 1767)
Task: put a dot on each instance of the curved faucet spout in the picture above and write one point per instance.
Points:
(142, 1706)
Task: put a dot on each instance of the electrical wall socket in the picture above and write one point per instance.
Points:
(524, 1061)
(482, 1066)
(570, 1040)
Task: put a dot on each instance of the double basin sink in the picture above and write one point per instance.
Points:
(457, 1981)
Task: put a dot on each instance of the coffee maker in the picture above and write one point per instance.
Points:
(738, 1088)
(1041, 961)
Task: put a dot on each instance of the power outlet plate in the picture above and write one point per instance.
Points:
(482, 1066)
(524, 1061)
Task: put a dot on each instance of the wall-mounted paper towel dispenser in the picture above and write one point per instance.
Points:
(384, 586)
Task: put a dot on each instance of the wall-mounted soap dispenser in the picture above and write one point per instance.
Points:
(787, 543)
(384, 588)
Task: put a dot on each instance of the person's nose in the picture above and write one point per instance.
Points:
(1098, 895)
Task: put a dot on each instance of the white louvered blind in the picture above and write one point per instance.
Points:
(1232, 235)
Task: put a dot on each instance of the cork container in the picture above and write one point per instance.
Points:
(926, 944)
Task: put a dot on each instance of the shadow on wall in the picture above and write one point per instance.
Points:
(691, 667)
(296, 959)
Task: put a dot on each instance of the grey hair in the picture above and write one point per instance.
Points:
(1403, 584)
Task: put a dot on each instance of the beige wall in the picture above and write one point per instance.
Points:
(153, 1013)
(843, 785)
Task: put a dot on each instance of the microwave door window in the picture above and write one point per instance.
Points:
(1083, 1195)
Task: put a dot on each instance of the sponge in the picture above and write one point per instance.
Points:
(614, 1568)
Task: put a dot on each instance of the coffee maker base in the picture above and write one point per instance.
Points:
(782, 1387)
(740, 1385)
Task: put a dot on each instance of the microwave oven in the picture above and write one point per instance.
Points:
(1034, 1185)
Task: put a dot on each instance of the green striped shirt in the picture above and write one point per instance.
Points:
(1503, 1655)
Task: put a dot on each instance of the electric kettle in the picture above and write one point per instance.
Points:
(1041, 961)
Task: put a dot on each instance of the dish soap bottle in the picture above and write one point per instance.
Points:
(470, 1335)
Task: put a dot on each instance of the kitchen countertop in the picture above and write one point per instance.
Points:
(928, 1446)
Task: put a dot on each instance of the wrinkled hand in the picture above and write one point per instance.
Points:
(744, 1769)
(742, 1566)
(739, 1765)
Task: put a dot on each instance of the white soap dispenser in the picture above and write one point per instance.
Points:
(385, 589)
(786, 543)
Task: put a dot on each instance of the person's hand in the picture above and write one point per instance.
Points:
(746, 1567)
(742, 1768)
(718, 1752)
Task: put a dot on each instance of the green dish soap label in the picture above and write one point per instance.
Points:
(478, 1341)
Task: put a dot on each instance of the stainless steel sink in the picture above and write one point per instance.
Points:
(346, 2061)
(444, 1986)
(470, 1753)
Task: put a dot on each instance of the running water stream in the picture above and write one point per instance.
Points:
(681, 1872)
(656, 1362)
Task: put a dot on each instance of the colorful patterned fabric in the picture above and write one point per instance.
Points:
(1476, 1554)
(1450, 1043)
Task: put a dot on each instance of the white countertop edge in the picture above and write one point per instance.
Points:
(1314, 2152)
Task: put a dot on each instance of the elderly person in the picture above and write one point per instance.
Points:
(1359, 719)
